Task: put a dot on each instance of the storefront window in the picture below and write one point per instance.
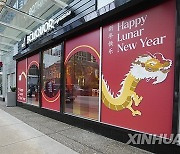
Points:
(33, 85)
(82, 85)
(33, 80)
(51, 78)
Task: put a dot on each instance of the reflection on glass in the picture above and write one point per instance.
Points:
(33, 85)
(82, 85)
(51, 71)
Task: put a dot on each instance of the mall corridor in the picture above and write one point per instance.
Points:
(23, 131)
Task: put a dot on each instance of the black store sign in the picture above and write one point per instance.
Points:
(62, 22)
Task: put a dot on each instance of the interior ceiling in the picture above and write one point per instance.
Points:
(14, 25)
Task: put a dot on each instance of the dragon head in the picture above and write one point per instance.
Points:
(149, 67)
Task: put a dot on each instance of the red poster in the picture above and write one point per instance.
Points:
(89, 42)
(21, 81)
(138, 70)
(33, 60)
(52, 103)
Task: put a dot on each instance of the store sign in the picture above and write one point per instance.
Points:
(48, 26)
(45, 28)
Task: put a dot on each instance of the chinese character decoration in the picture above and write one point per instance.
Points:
(110, 42)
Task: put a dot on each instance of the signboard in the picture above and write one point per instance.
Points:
(22, 81)
(46, 27)
(138, 70)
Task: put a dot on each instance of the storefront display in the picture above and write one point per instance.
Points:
(51, 78)
(82, 76)
(118, 75)
(138, 71)
(33, 80)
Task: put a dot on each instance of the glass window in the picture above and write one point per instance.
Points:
(82, 85)
(33, 85)
(33, 80)
(51, 78)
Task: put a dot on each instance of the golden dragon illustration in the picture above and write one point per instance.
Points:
(146, 66)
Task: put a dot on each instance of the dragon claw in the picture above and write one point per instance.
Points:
(135, 113)
(140, 98)
(138, 101)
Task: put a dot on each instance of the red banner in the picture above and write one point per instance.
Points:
(52, 103)
(33, 60)
(138, 70)
(21, 81)
(81, 43)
